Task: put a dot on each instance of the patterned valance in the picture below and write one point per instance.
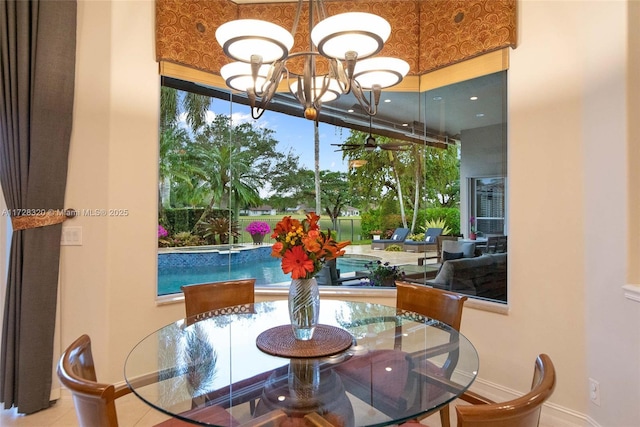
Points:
(428, 34)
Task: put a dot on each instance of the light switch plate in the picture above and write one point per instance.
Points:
(71, 236)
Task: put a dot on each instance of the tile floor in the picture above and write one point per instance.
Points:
(132, 412)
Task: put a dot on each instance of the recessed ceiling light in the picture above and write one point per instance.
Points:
(437, 98)
(480, 115)
(405, 124)
(387, 100)
(350, 110)
(473, 98)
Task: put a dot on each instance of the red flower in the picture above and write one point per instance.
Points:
(302, 247)
(296, 262)
(276, 250)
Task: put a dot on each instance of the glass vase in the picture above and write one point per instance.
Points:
(304, 307)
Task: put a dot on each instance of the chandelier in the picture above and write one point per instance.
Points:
(347, 41)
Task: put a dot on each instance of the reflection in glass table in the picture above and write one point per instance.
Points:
(210, 372)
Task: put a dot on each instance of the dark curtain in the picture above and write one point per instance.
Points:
(37, 64)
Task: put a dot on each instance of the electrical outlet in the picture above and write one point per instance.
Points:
(594, 391)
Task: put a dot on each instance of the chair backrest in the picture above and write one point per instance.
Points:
(467, 249)
(496, 244)
(94, 402)
(439, 241)
(521, 412)
(400, 234)
(438, 304)
(431, 235)
(205, 297)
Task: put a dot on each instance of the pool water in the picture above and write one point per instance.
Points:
(266, 272)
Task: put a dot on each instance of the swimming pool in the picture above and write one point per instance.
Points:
(190, 266)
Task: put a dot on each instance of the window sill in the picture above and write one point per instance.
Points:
(349, 292)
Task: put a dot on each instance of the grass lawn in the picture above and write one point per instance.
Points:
(349, 228)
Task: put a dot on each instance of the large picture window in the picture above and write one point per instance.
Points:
(221, 171)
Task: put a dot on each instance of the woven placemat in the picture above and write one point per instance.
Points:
(327, 340)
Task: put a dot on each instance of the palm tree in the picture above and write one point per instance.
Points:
(174, 162)
(172, 101)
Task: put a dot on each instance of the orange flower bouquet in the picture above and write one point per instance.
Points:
(302, 247)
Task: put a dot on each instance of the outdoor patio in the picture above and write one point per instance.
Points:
(394, 258)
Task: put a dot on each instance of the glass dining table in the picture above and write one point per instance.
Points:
(227, 370)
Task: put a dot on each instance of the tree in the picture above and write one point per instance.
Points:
(381, 177)
(174, 102)
(335, 194)
(443, 176)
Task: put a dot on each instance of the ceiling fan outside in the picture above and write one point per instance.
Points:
(370, 144)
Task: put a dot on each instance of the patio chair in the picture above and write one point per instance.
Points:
(397, 238)
(496, 244)
(430, 241)
(464, 249)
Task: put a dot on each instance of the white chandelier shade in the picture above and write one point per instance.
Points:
(237, 75)
(383, 71)
(333, 90)
(346, 40)
(245, 37)
(360, 32)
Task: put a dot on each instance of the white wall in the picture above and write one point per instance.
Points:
(567, 204)
(108, 284)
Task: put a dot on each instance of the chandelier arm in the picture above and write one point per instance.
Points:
(257, 112)
(308, 81)
(274, 76)
(321, 12)
(336, 72)
(256, 63)
(317, 99)
(251, 96)
(359, 95)
(296, 20)
(370, 107)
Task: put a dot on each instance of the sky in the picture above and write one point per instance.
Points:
(294, 133)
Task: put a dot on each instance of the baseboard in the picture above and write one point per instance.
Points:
(552, 414)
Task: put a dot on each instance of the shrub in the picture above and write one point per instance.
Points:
(258, 227)
(185, 238)
(393, 248)
(216, 231)
(383, 274)
(437, 223)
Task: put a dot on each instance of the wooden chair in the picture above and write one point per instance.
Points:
(523, 411)
(440, 305)
(208, 299)
(94, 401)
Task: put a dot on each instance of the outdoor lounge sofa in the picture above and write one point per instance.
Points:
(483, 276)
(398, 238)
(429, 243)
